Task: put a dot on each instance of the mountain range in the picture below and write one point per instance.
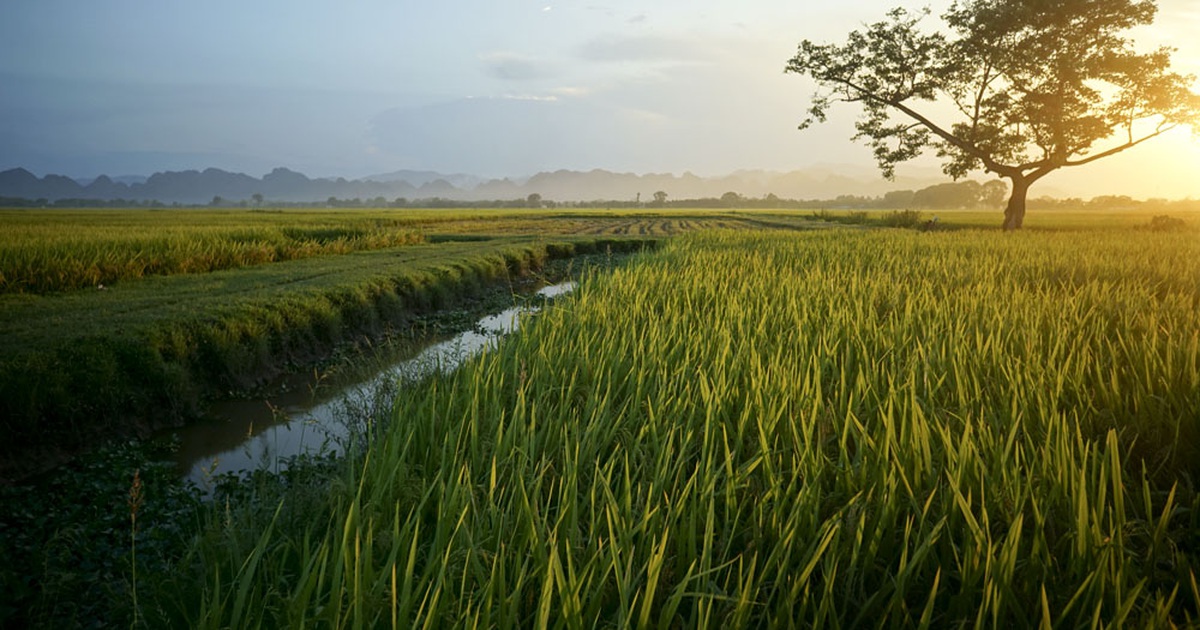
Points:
(284, 185)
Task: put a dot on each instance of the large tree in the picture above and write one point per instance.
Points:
(1019, 88)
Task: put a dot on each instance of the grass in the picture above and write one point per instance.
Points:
(44, 251)
(840, 428)
(82, 365)
(748, 429)
(1078, 220)
(73, 555)
(117, 322)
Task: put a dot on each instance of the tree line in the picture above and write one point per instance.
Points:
(961, 195)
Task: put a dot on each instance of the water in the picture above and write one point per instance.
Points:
(243, 435)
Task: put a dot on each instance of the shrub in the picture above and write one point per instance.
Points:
(1165, 223)
(901, 219)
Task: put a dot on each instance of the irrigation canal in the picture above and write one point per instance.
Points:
(312, 417)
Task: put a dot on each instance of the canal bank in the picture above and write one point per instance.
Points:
(86, 369)
(71, 535)
(325, 412)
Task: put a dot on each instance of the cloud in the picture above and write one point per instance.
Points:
(703, 117)
(97, 126)
(510, 66)
(497, 136)
(573, 91)
(530, 97)
(645, 49)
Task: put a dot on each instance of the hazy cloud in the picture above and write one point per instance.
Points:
(133, 87)
(93, 127)
(530, 97)
(509, 66)
(572, 91)
(644, 48)
(642, 124)
(500, 136)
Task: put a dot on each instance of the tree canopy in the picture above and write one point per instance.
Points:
(1019, 88)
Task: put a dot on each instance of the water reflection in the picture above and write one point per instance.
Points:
(245, 435)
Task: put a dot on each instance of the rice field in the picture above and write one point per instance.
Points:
(58, 251)
(840, 429)
(44, 251)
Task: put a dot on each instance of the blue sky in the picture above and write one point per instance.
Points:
(495, 88)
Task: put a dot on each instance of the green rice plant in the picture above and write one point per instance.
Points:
(82, 366)
(55, 251)
(750, 429)
(135, 501)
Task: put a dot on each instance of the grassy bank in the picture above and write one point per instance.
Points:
(847, 429)
(91, 364)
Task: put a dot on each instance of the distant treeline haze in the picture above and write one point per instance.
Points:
(962, 195)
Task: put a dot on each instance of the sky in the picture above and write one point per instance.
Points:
(495, 88)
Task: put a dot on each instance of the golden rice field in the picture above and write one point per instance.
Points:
(754, 429)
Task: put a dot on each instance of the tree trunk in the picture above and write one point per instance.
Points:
(1014, 214)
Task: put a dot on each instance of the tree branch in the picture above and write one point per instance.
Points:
(1117, 149)
(974, 151)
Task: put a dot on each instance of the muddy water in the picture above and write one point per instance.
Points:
(313, 417)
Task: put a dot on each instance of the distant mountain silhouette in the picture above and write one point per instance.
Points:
(104, 187)
(283, 185)
(19, 182)
(122, 179)
(420, 178)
